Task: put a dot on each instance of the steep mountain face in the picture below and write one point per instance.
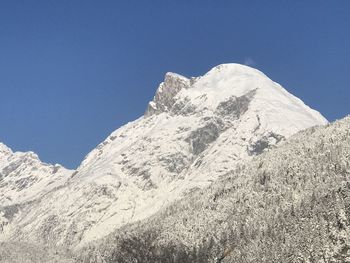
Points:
(194, 131)
(290, 204)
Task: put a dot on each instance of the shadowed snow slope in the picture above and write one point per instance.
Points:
(194, 131)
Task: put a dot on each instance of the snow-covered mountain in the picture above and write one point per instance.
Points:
(194, 131)
(23, 177)
(290, 204)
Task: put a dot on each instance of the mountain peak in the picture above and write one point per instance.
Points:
(173, 75)
(166, 92)
(173, 83)
(178, 95)
(4, 149)
(235, 69)
(25, 177)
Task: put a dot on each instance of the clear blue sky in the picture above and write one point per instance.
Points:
(73, 71)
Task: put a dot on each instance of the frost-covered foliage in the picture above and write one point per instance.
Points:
(291, 204)
(27, 253)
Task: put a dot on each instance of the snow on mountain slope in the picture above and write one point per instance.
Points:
(192, 132)
(23, 177)
(290, 204)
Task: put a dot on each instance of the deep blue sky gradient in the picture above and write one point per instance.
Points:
(73, 71)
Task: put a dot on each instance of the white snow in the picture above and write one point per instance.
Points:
(23, 177)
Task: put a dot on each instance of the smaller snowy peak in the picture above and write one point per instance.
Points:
(24, 177)
(4, 149)
(29, 154)
(166, 92)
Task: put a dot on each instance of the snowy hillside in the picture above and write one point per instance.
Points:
(23, 177)
(290, 204)
(194, 131)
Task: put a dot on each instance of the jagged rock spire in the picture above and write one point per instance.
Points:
(166, 92)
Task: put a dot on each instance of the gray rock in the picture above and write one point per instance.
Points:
(264, 143)
(202, 137)
(235, 106)
(164, 98)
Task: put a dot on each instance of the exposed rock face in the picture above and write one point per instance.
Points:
(165, 96)
(194, 131)
(264, 143)
(202, 137)
(235, 106)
